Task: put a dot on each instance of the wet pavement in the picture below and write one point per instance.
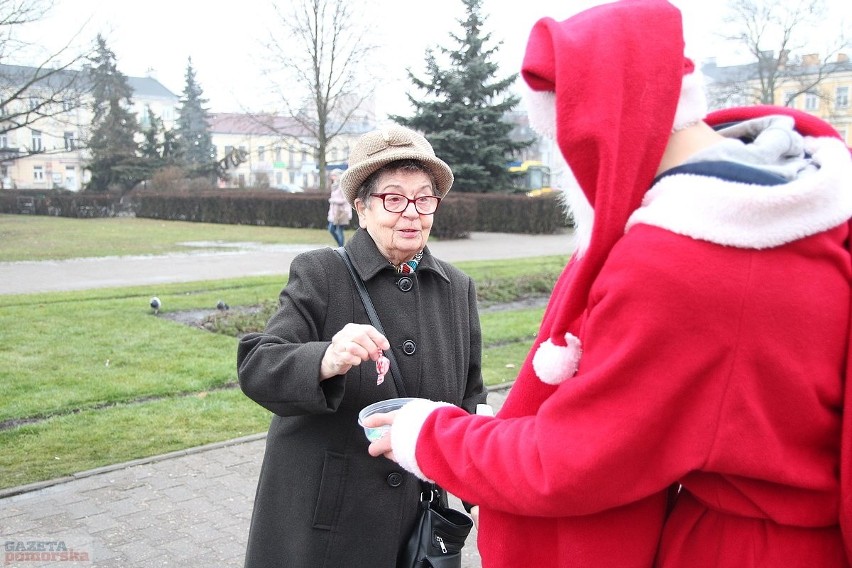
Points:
(249, 259)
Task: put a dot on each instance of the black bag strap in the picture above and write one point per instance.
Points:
(374, 317)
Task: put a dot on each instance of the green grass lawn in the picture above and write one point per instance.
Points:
(28, 237)
(92, 378)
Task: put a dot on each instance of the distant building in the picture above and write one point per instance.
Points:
(276, 151)
(829, 98)
(48, 153)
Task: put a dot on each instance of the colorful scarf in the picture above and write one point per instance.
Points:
(411, 265)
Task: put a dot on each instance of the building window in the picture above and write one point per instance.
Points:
(37, 145)
(261, 153)
(4, 141)
(67, 105)
(292, 158)
(145, 116)
(70, 143)
(278, 155)
(38, 173)
(279, 178)
(841, 97)
(811, 101)
(33, 103)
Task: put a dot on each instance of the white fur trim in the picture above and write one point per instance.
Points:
(541, 111)
(754, 216)
(692, 105)
(554, 364)
(406, 429)
(583, 213)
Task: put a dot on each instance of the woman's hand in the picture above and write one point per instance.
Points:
(351, 346)
(382, 446)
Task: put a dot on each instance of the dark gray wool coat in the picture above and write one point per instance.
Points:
(322, 501)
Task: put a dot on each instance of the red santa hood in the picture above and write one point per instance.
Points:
(614, 91)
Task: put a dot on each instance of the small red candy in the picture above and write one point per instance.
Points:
(382, 367)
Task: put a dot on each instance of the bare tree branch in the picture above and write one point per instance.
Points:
(775, 36)
(51, 89)
(317, 57)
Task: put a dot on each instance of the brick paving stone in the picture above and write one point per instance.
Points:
(82, 509)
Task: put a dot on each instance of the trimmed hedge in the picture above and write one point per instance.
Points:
(458, 216)
(271, 208)
(59, 203)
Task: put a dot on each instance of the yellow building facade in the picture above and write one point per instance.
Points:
(818, 87)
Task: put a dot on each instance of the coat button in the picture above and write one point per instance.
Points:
(395, 479)
(409, 347)
(404, 284)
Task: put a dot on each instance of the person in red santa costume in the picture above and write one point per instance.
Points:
(683, 404)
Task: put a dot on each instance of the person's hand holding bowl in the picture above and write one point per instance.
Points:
(381, 446)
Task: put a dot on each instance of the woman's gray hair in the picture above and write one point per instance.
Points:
(369, 186)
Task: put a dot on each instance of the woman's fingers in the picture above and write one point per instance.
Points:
(363, 341)
(351, 346)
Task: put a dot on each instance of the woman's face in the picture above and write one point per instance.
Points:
(399, 236)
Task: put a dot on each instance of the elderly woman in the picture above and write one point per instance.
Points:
(321, 500)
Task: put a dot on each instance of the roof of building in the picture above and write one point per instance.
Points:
(150, 87)
(17, 75)
(255, 124)
(744, 72)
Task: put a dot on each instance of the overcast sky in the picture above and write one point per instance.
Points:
(225, 39)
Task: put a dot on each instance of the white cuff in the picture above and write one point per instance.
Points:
(406, 429)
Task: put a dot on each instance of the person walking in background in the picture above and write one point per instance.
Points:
(339, 210)
(686, 403)
(322, 501)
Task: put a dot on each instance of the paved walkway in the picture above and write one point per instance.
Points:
(190, 508)
(247, 259)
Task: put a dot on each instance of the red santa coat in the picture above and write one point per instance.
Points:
(713, 354)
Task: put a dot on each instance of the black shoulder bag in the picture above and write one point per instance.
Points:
(440, 531)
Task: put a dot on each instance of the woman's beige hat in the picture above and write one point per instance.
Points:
(380, 147)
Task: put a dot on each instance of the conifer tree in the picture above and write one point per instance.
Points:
(462, 116)
(194, 142)
(159, 145)
(115, 162)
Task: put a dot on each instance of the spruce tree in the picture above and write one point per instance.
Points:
(194, 142)
(115, 162)
(159, 145)
(462, 116)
